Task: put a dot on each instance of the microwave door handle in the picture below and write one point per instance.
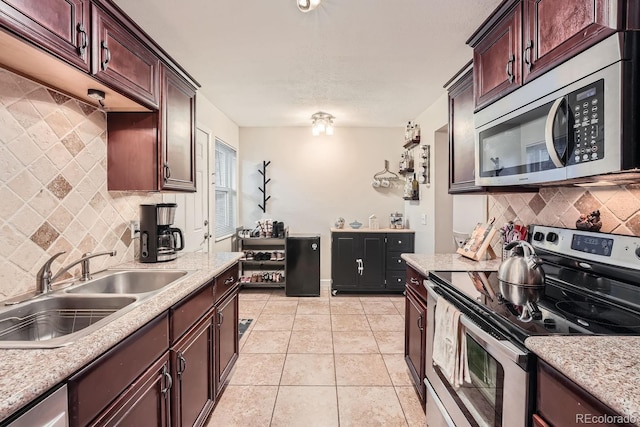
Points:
(548, 133)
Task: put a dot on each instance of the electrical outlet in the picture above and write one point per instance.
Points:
(134, 226)
(424, 219)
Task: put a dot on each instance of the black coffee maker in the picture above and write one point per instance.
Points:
(158, 240)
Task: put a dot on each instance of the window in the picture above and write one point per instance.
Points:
(226, 190)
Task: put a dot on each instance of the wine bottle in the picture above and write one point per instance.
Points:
(415, 188)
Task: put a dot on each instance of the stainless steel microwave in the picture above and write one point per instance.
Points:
(579, 122)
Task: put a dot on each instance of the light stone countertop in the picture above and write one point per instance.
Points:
(448, 262)
(608, 367)
(28, 373)
(348, 229)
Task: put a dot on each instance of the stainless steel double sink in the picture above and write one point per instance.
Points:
(59, 318)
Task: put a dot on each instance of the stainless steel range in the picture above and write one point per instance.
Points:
(592, 286)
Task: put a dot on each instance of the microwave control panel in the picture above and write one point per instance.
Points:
(587, 107)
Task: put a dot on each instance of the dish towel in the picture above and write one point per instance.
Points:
(450, 344)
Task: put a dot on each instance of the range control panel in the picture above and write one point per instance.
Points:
(587, 107)
(612, 249)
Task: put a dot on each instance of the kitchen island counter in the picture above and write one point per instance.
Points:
(29, 373)
(448, 262)
(607, 367)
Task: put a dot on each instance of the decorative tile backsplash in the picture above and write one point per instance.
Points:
(619, 207)
(53, 185)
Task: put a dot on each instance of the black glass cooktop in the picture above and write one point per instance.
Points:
(572, 303)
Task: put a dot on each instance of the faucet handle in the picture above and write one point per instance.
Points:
(45, 275)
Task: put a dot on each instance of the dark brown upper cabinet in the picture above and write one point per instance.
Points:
(121, 61)
(61, 27)
(462, 136)
(155, 151)
(557, 30)
(523, 39)
(496, 59)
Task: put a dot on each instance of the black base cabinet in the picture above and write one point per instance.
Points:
(369, 261)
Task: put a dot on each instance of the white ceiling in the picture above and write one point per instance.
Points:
(367, 62)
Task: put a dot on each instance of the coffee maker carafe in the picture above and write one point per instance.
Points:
(158, 240)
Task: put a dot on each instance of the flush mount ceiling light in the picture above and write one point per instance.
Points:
(307, 5)
(322, 122)
(98, 95)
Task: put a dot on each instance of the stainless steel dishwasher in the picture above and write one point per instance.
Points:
(49, 412)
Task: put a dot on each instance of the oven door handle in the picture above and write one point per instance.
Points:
(548, 133)
(431, 289)
(505, 348)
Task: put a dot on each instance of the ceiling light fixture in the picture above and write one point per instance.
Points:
(322, 122)
(307, 5)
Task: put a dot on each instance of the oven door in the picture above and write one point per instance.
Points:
(498, 395)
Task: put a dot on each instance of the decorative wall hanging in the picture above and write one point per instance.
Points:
(426, 162)
(263, 189)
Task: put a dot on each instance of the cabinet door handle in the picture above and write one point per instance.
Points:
(509, 69)
(182, 363)
(221, 319)
(229, 281)
(167, 171)
(420, 326)
(527, 54)
(82, 46)
(414, 281)
(169, 381)
(107, 55)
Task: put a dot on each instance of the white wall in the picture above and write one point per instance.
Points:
(430, 121)
(315, 180)
(465, 210)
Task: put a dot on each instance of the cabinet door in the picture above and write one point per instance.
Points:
(344, 268)
(178, 124)
(557, 30)
(373, 260)
(58, 26)
(226, 349)
(497, 59)
(122, 61)
(415, 339)
(462, 137)
(192, 365)
(144, 403)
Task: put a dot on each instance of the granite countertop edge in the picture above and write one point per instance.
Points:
(448, 262)
(24, 377)
(607, 367)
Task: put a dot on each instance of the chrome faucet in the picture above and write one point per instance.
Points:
(44, 278)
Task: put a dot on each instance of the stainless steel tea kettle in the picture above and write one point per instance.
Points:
(521, 278)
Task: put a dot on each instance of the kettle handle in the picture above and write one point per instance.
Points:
(175, 231)
(529, 253)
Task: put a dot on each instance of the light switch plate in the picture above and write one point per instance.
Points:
(424, 219)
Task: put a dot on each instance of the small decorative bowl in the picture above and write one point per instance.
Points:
(355, 224)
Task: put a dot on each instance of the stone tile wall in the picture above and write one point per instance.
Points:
(619, 207)
(53, 185)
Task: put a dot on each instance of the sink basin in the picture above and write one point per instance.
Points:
(127, 282)
(57, 319)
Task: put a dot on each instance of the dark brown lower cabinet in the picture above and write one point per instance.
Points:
(145, 402)
(226, 339)
(170, 371)
(108, 378)
(192, 366)
(415, 340)
(562, 403)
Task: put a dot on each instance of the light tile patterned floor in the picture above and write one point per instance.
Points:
(325, 361)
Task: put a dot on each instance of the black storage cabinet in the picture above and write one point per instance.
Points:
(302, 270)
